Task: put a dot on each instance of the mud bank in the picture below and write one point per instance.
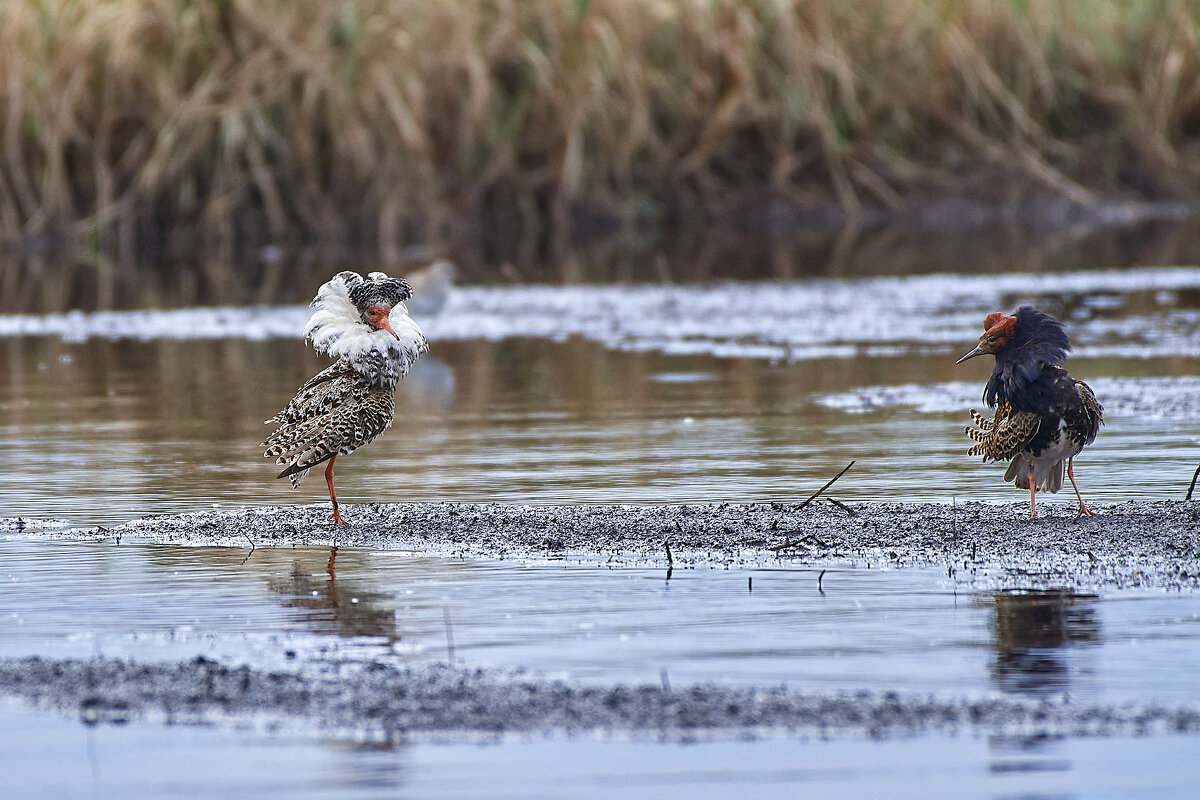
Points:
(379, 701)
(1126, 545)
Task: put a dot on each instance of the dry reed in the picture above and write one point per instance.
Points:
(406, 120)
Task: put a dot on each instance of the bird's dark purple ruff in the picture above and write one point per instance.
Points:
(1024, 363)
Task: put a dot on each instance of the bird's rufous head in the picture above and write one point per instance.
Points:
(377, 316)
(997, 331)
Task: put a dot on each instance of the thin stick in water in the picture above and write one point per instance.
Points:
(449, 634)
(826, 486)
(1195, 475)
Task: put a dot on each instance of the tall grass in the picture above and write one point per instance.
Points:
(125, 121)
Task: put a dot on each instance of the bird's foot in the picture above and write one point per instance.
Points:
(1084, 511)
(337, 518)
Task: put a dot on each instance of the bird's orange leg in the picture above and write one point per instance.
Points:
(1084, 511)
(1032, 497)
(337, 517)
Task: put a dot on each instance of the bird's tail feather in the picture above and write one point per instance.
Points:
(1054, 480)
(1018, 472)
(296, 477)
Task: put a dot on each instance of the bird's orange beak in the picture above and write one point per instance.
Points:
(976, 352)
(386, 324)
(379, 317)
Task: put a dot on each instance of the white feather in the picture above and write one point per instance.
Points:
(336, 328)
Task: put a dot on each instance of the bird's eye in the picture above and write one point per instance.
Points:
(991, 339)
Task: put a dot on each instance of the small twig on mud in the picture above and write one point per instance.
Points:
(826, 486)
(1195, 475)
(842, 506)
(449, 634)
(954, 520)
(806, 538)
(670, 560)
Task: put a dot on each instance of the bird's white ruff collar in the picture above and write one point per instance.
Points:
(337, 329)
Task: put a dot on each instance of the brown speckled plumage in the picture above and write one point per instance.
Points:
(1004, 436)
(334, 413)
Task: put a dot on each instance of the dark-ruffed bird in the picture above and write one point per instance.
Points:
(363, 324)
(1043, 416)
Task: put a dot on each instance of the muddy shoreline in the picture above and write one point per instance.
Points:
(1137, 544)
(1133, 545)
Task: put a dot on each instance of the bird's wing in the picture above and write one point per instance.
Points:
(319, 393)
(357, 417)
(1005, 436)
(1085, 424)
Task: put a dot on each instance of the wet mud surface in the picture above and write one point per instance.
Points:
(1136, 545)
(379, 700)
(1153, 545)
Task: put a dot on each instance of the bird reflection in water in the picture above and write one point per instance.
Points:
(1034, 629)
(338, 607)
(1035, 632)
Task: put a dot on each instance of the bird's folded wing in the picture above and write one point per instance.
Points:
(1005, 436)
(1091, 416)
(324, 391)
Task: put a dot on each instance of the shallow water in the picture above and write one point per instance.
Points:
(911, 631)
(60, 759)
(584, 394)
(611, 394)
(905, 630)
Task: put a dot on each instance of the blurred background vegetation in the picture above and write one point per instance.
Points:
(148, 134)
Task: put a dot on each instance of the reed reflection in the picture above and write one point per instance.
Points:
(274, 274)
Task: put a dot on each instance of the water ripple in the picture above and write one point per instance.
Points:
(1147, 398)
(790, 321)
